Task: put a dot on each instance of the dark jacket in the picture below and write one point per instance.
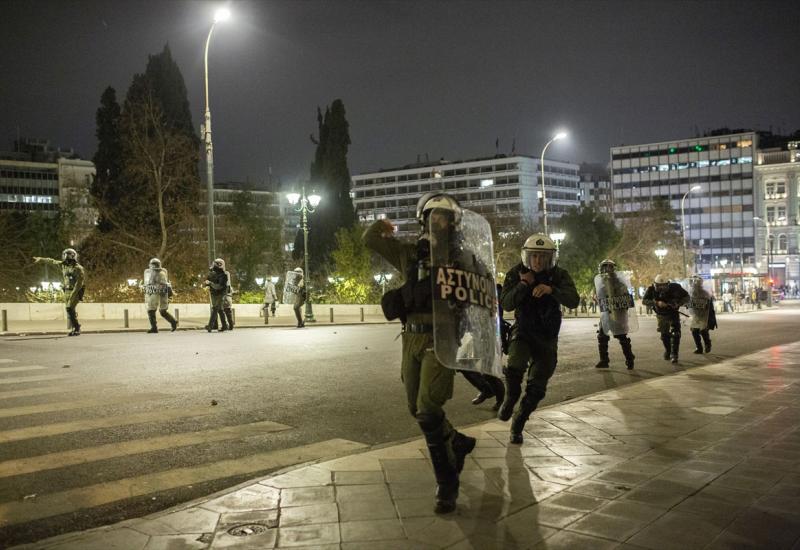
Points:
(674, 295)
(538, 316)
(218, 282)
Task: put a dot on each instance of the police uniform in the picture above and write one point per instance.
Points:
(615, 288)
(157, 291)
(701, 301)
(227, 301)
(428, 383)
(668, 318)
(534, 339)
(73, 279)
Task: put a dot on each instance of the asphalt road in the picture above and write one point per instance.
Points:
(109, 426)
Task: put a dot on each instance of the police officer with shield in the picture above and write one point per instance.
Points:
(227, 301)
(534, 290)
(666, 298)
(701, 311)
(157, 290)
(617, 313)
(428, 383)
(73, 279)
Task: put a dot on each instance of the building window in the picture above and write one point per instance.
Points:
(782, 242)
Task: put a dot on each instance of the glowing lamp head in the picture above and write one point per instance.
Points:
(293, 198)
(222, 15)
(560, 135)
(314, 200)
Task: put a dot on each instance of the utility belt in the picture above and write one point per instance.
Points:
(417, 328)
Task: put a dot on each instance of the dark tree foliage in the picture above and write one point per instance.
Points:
(27, 234)
(590, 237)
(330, 178)
(108, 158)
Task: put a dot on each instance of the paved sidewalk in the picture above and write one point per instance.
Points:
(706, 458)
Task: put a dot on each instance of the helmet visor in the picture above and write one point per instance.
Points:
(537, 260)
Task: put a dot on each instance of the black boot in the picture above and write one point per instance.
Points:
(676, 346)
(477, 380)
(526, 407)
(170, 319)
(665, 339)
(627, 351)
(299, 316)
(706, 339)
(153, 325)
(602, 348)
(223, 320)
(462, 446)
(72, 315)
(444, 470)
(499, 390)
(513, 391)
(698, 345)
(229, 316)
(212, 321)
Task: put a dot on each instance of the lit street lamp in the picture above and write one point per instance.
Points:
(560, 135)
(683, 225)
(221, 15)
(768, 253)
(382, 278)
(306, 204)
(557, 238)
(661, 253)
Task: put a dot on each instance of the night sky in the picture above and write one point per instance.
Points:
(442, 78)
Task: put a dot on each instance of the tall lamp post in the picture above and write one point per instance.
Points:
(661, 253)
(560, 135)
(683, 225)
(305, 204)
(382, 278)
(768, 254)
(221, 15)
(557, 238)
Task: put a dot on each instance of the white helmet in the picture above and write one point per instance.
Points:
(219, 262)
(69, 254)
(538, 242)
(696, 280)
(661, 280)
(155, 263)
(607, 266)
(298, 270)
(437, 199)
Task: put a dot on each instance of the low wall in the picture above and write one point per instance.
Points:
(54, 312)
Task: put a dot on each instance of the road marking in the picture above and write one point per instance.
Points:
(65, 502)
(79, 404)
(24, 379)
(114, 450)
(94, 423)
(2, 361)
(44, 391)
(18, 369)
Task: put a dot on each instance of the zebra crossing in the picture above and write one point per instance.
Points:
(64, 457)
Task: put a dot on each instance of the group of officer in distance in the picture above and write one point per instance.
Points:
(535, 290)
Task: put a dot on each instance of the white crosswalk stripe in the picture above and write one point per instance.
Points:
(96, 469)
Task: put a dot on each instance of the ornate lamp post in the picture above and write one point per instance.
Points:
(305, 204)
(661, 253)
(221, 15)
(683, 225)
(560, 135)
(382, 278)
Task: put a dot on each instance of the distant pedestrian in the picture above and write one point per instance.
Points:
(727, 301)
(584, 309)
(227, 301)
(217, 283)
(74, 279)
(270, 297)
(299, 297)
(157, 292)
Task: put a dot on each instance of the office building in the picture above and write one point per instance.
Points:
(505, 190)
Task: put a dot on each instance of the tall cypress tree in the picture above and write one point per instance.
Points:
(108, 158)
(330, 177)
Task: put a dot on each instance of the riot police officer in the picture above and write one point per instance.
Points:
(535, 289)
(428, 383)
(73, 279)
(703, 316)
(616, 305)
(217, 283)
(227, 301)
(157, 291)
(666, 298)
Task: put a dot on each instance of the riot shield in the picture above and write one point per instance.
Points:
(291, 288)
(155, 281)
(617, 307)
(699, 303)
(466, 325)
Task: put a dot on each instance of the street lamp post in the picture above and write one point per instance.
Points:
(683, 225)
(306, 204)
(768, 254)
(382, 278)
(560, 135)
(221, 15)
(661, 253)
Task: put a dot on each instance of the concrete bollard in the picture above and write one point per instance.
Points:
(362, 314)
(4, 321)
(177, 315)
(233, 315)
(331, 310)
(125, 321)
(266, 314)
